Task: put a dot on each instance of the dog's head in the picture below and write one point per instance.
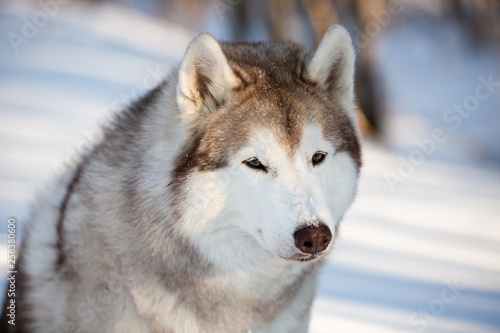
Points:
(270, 149)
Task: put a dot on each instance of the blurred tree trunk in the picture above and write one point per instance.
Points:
(241, 21)
(283, 12)
(365, 81)
(480, 19)
(322, 14)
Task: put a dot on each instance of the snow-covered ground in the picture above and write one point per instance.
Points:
(420, 256)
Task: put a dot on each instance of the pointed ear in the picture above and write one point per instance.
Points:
(332, 66)
(205, 79)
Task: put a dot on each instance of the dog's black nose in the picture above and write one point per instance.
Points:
(312, 239)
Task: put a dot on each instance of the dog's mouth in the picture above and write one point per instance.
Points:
(305, 258)
(311, 258)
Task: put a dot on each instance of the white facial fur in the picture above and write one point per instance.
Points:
(270, 207)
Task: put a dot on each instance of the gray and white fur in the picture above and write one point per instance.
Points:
(209, 205)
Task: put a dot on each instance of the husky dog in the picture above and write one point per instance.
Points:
(209, 206)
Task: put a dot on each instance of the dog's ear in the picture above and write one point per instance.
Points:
(205, 79)
(332, 66)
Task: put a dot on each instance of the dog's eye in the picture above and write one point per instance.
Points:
(254, 163)
(318, 157)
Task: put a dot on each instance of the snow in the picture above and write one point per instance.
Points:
(442, 70)
(421, 257)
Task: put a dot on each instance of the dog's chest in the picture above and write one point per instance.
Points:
(243, 302)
